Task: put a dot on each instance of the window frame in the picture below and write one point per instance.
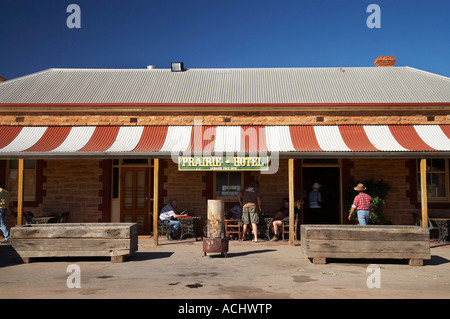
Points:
(227, 198)
(445, 172)
(28, 172)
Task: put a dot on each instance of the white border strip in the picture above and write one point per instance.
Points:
(278, 139)
(330, 139)
(127, 139)
(433, 136)
(27, 137)
(381, 138)
(77, 138)
(228, 139)
(177, 139)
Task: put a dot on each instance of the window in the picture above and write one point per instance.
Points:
(29, 179)
(437, 179)
(228, 184)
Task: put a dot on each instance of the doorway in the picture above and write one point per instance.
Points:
(329, 179)
(134, 197)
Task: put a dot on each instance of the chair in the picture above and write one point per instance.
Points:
(285, 229)
(418, 222)
(233, 227)
(28, 217)
(267, 226)
(163, 228)
(62, 218)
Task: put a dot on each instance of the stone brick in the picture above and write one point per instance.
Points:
(236, 118)
(398, 207)
(72, 185)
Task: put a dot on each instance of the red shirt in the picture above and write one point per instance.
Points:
(362, 201)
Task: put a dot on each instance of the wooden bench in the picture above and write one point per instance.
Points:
(115, 240)
(367, 242)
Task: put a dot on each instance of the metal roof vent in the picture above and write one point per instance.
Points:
(177, 66)
(151, 67)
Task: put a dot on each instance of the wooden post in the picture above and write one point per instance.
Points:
(155, 200)
(423, 192)
(20, 193)
(291, 202)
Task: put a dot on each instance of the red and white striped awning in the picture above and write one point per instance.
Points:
(109, 141)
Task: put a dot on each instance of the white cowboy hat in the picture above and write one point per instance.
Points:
(316, 185)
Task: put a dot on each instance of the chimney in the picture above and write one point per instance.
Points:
(385, 61)
(2, 79)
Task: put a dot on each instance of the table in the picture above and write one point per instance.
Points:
(188, 226)
(442, 228)
(43, 219)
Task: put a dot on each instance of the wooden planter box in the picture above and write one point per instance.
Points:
(115, 240)
(373, 241)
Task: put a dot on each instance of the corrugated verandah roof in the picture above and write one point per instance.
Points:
(109, 141)
(228, 86)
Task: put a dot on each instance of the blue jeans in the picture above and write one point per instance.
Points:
(363, 217)
(2, 223)
(174, 225)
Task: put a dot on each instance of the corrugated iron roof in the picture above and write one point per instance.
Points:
(172, 140)
(271, 85)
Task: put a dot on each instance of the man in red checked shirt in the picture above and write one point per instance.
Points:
(363, 204)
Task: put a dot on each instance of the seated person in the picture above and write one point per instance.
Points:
(283, 215)
(236, 211)
(298, 208)
(168, 215)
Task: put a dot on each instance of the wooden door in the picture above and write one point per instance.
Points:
(135, 197)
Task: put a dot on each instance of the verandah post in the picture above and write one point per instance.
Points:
(291, 202)
(423, 192)
(20, 193)
(155, 200)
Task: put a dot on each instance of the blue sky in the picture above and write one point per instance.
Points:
(222, 34)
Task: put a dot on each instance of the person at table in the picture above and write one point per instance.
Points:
(236, 211)
(168, 215)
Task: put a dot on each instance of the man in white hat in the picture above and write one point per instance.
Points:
(362, 204)
(314, 200)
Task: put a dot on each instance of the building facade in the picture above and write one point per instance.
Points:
(104, 144)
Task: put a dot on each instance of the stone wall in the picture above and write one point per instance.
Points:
(74, 186)
(227, 118)
(394, 172)
(187, 188)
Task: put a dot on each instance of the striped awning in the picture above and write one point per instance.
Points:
(301, 140)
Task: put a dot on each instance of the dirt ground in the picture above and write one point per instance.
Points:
(263, 270)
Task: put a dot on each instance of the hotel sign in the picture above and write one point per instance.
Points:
(214, 163)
